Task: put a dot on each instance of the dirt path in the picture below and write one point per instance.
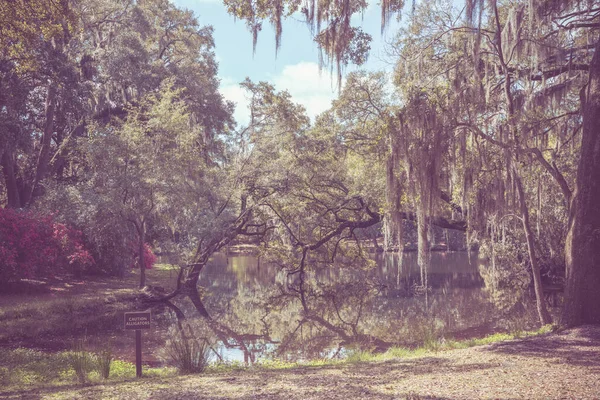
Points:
(565, 366)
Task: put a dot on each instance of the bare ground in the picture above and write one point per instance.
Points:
(557, 366)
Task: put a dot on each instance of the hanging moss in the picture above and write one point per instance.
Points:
(418, 147)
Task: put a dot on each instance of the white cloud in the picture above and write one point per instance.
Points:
(232, 91)
(308, 86)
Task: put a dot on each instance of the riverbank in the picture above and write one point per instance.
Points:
(558, 365)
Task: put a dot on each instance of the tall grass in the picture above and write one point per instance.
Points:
(189, 354)
(24, 369)
(81, 361)
(104, 361)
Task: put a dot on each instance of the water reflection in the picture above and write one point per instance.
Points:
(260, 310)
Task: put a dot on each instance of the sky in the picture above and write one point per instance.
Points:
(295, 68)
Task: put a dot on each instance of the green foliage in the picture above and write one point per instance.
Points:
(432, 342)
(505, 270)
(22, 369)
(131, 144)
(435, 345)
(399, 352)
(226, 366)
(330, 23)
(108, 238)
(81, 360)
(27, 367)
(104, 360)
(122, 369)
(127, 106)
(190, 354)
(27, 25)
(360, 356)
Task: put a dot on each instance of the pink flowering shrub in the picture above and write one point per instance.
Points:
(33, 246)
(149, 257)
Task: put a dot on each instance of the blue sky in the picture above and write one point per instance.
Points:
(296, 66)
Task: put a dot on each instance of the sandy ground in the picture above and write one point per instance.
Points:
(558, 366)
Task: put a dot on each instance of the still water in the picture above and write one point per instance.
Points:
(262, 311)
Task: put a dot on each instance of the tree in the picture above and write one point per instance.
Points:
(63, 94)
(574, 20)
(583, 246)
(339, 42)
(33, 66)
(141, 168)
(537, 51)
(434, 136)
(55, 83)
(529, 56)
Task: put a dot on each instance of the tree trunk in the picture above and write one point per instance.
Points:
(545, 317)
(10, 180)
(142, 264)
(582, 291)
(194, 297)
(44, 155)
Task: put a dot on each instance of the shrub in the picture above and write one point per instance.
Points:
(188, 353)
(432, 333)
(505, 271)
(81, 361)
(33, 245)
(149, 258)
(104, 360)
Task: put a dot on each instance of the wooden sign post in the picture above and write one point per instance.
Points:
(137, 321)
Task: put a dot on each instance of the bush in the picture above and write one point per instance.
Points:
(149, 258)
(104, 360)
(81, 361)
(33, 246)
(505, 271)
(432, 334)
(188, 353)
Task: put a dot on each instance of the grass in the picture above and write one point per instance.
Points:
(81, 361)
(280, 365)
(50, 315)
(104, 360)
(22, 369)
(471, 373)
(62, 308)
(30, 369)
(72, 307)
(394, 353)
(60, 317)
(442, 345)
(190, 355)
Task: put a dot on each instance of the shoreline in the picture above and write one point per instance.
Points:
(565, 364)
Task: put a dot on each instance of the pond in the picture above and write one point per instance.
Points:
(261, 311)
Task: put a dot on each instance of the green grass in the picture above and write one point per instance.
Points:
(60, 312)
(57, 317)
(95, 305)
(270, 365)
(62, 309)
(445, 345)
(23, 369)
(277, 364)
(394, 353)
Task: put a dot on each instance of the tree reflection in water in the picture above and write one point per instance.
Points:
(267, 309)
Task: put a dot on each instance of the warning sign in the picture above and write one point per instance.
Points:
(137, 320)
